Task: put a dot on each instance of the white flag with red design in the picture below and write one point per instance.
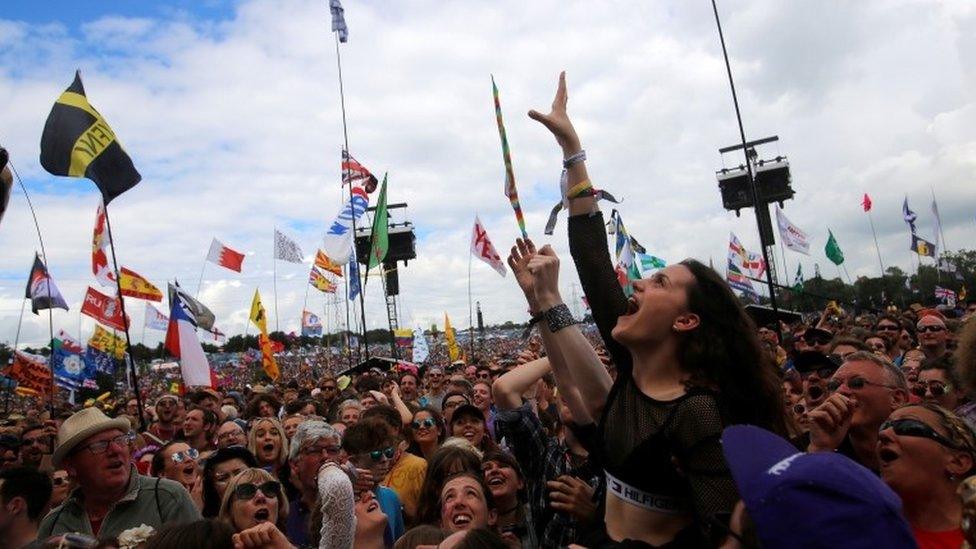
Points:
(483, 249)
(224, 256)
(100, 242)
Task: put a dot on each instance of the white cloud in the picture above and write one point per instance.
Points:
(236, 128)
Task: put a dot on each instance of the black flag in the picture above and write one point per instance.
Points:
(78, 142)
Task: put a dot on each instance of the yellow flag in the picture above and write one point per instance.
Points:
(452, 349)
(107, 342)
(135, 285)
(267, 357)
(258, 316)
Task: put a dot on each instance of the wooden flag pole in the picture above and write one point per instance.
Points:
(125, 321)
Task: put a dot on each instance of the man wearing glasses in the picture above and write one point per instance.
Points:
(864, 392)
(314, 443)
(435, 388)
(932, 338)
(111, 495)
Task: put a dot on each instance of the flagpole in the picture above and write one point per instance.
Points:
(200, 283)
(938, 219)
(470, 313)
(125, 322)
(274, 263)
(876, 247)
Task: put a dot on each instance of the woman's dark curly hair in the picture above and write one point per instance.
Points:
(254, 405)
(724, 354)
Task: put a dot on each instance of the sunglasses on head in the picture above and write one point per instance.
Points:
(426, 423)
(908, 427)
(854, 383)
(248, 490)
(937, 388)
(186, 455)
(933, 328)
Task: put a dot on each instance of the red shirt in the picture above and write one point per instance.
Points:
(948, 539)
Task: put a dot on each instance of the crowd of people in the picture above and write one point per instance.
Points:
(674, 420)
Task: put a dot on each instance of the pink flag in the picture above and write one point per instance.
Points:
(224, 256)
(866, 203)
(483, 249)
(100, 242)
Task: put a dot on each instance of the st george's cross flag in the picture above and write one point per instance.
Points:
(182, 343)
(287, 249)
(78, 142)
(224, 256)
(483, 249)
(41, 290)
(100, 243)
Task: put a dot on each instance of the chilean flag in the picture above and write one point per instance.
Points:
(182, 342)
(224, 256)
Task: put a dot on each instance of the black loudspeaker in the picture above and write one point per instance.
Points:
(403, 244)
(773, 184)
(392, 279)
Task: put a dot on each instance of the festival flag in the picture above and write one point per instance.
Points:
(922, 247)
(798, 280)
(832, 249)
(339, 20)
(380, 237)
(650, 262)
(100, 360)
(202, 316)
(260, 319)
(107, 342)
(101, 242)
(64, 339)
(311, 324)
(403, 337)
(945, 294)
(938, 223)
(510, 190)
(320, 282)
(483, 249)
(105, 309)
(287, 249)
(626, 267)
(78, 142)
(31, 372)
(739, 281)
(41, 290)
(182, 343)
(134, 285)
(749, 263)
(154, 319)
(452, 349)
(6, 181)
(224, 256)
(356, 174)
(354, 282)
(908, 215)
(420, 349)
(69, 367)
(793, 237)
(866, 203)
(325, 263)
(258, 315)
(337, 242)
(218, 336)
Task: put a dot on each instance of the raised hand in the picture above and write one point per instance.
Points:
(518, 261)
(544, 267)
(558, 120)
(830, 422)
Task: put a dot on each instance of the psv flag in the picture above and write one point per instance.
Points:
(100, 243)
(135, 285)
(105, 309)
(224, 256)
(78, 142)
(483, 249)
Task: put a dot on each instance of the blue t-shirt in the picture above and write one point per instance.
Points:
(390, 504)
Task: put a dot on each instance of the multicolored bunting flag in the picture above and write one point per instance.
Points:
(866, 203)
(354, 282)
(182, 343)
(337, 242)
(649, 262)
(202, 316)
(325, 263)
(356, 174)
(380, 237)
(41, 290)
(311, 324)
(101, 242)
(134, 285)
(483, 249)
(224, 256)
(155, 320)
(30, 372)
(453, 352)
(105, 309)
(107, 342)
(793, 237)
(798, 280)
(832, 249)
(78, 142)
(923, 247)
(287, 249)
(420, 349)
(100, 361)
(260, 319)
(339, 20)
(510, 190)
(403, 337)
(320, 282)
(749, 263)
(908, 215)
(739, 281)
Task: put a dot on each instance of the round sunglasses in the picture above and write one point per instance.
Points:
(378, 455)
(427, 423)
(186, 455)
(908, 427)
(248, 490)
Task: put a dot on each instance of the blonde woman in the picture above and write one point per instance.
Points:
(254, 498)
(267, 441)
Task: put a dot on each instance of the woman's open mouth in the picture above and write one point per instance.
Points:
(886, 455)
(262, 515)
(461, 520)
(632, 306)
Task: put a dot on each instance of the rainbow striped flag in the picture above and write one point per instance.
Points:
(510, 191)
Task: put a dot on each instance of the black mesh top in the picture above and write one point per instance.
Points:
(670, 448)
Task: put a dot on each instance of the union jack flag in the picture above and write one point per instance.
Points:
(355, 173)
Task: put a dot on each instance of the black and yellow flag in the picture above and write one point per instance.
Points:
(78, 142)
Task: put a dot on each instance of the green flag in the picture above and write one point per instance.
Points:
(798, 281)
(381, 230)
(832, 249)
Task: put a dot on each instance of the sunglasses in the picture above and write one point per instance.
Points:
(914, 428)
(817, 340)
(186, 455)
(888, 328)
(426, 423)
(248, 490)
(923, 329)
(937, 388)
(854, 383)
(378, 455)
(823, 373)
(58, 481)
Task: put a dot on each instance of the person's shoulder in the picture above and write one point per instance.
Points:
(387, 494)
(164, 485)
(411, 461)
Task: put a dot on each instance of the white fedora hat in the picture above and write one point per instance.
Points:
(82, 425)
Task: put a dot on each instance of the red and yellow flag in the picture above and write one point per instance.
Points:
(325, 263)
(107, 342)
(321, 283)
(135, 285)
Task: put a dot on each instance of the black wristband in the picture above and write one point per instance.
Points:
(559, 317)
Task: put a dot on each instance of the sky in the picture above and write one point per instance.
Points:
(231, 112)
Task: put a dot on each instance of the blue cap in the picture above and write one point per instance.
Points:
(820, 499)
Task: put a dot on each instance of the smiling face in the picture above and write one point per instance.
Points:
(470, 428)
(408, 387)
(502, 480)
(425, 428)
(464, 505)
(657, 308)
(935, 381)
(932, 333)
(481, 396)
(370, 519)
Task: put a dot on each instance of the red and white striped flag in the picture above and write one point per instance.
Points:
(355, 173)
(224, 256)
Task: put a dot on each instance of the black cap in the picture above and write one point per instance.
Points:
(466, 410)
(811, 361)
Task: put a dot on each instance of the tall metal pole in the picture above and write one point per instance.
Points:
(470, 313)
(745, 151)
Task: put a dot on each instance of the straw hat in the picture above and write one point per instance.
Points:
(80, 426)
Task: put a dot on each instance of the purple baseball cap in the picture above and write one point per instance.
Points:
(820, 499)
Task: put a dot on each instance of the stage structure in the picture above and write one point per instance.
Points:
(403, 247)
